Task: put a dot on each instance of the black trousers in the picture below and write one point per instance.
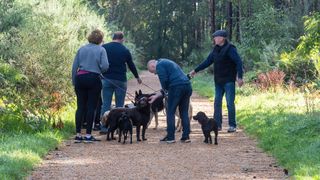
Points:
(88, 88)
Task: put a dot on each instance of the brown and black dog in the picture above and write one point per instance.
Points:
(207, 125)
(140, 116)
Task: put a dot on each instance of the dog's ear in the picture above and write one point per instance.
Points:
(140, 92)
(136, 93)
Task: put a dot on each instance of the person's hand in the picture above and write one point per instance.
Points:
(139, 80)
(192, 73)
(240, 82)
(154, 97)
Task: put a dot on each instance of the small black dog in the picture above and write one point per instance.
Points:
(207, 125)
(125, 126)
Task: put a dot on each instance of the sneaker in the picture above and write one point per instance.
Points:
(78, 139)
(170, 141)
(185, 140)
(232, 129)
(164, 139)
(90, 139)
(103, 130)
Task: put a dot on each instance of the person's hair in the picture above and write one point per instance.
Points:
(96, 36)
(117, 35)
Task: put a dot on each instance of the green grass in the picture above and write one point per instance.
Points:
(203, 84)
(20, 152)
(280, 122)
(283, 128)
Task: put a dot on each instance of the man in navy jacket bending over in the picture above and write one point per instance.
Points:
(177, 85)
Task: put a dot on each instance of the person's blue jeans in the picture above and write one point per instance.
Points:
(110, 87)
(178, 96)
(229, 89)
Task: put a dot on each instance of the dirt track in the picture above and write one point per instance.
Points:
(236, 156)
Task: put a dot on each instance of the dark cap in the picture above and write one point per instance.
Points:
(221, 33)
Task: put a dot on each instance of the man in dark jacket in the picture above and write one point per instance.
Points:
(177, 84)
(227, 70)
(115, 80)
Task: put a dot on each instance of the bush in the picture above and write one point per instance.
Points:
(271, 80)
(38, 43)
(304, 62)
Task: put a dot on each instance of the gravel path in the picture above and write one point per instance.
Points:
(236, 156)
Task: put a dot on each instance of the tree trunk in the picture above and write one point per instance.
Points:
(213, 15)
(250, 8)
(278, 4)
(238, 35)
(230, 23)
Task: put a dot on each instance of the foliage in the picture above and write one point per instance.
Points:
(160, 28)
(267, 33)
(304, 62)
(39, 41)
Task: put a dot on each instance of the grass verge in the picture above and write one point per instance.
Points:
(280, 122)
(20, 152)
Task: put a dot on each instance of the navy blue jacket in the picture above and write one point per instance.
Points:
(119, 56)
(170, 74)
(227, 63)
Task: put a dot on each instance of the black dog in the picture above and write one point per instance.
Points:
(207, 125)
(125, 126)
(140, 116)
(156, 106)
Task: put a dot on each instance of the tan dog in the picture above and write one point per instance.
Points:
(179, 123)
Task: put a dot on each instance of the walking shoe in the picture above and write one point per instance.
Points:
(164, 139)
(232, 129)
(170, 141)
(90, 139)
(185, 140)
(78, 139)
(219, 128)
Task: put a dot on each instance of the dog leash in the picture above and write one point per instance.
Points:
(119, 88)
(149, 87)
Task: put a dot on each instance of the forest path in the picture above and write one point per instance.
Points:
(236, 157)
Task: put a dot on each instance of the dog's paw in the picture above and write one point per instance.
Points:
(205, 141)
(144, 139)
(215, 143)
(138, 139)
(114, 139)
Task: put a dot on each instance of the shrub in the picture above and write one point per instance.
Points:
(271, 80)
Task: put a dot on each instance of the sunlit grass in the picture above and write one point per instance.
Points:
(283, 127)
(281, 123)
(20, 152)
